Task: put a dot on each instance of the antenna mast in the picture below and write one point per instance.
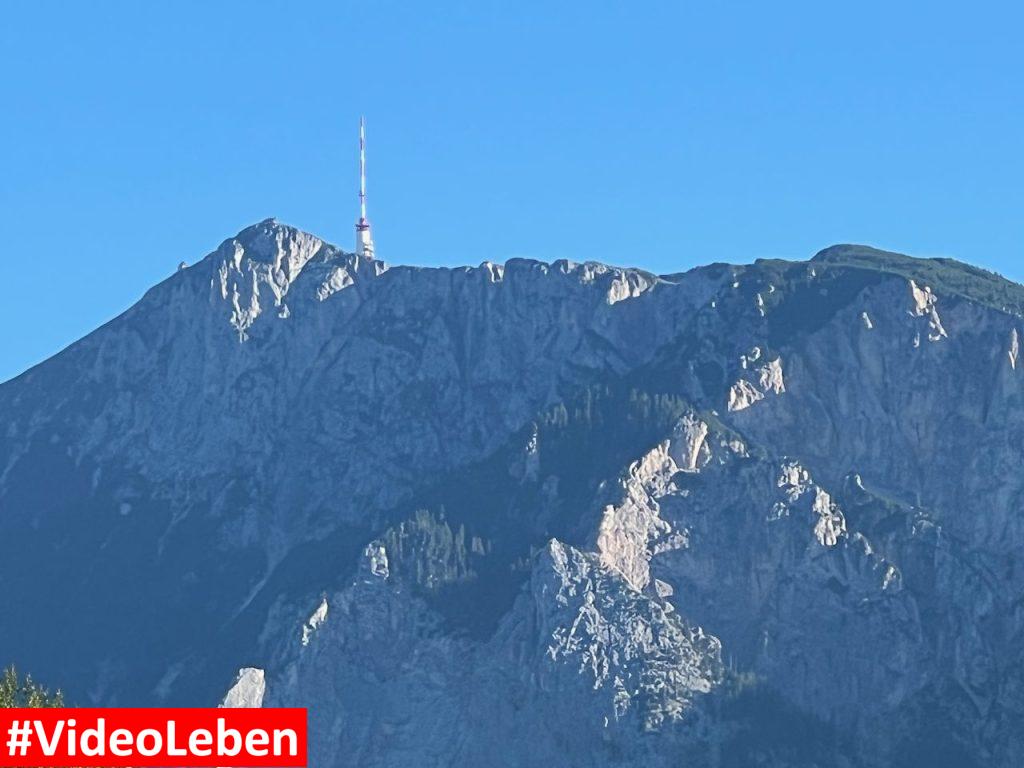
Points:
(362, 169)
(364, 239)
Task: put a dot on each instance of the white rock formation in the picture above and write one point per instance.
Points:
(631, 528)
(313, 623)
(688, 447)
(925, 305)
(831, 524)
(795, 481)
(628, 285)
(377, 560)
(257, 275)
(742, 395)
(247, 691)
(770, 380)
(750, 358)
(770, 377)
(617, 637)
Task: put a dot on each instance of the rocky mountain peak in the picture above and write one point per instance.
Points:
(533, 508)
(270, 242)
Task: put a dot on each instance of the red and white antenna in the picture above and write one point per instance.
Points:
(362, 170)
(364, 240)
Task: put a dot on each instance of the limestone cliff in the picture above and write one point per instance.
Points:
(534, 514)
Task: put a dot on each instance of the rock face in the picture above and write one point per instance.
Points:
(248, 690)
(537, 514)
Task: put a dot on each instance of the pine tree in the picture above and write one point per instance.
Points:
(17, 693)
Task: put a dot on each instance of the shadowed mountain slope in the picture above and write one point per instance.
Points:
(744, 515)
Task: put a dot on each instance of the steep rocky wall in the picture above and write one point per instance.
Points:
(530, 509)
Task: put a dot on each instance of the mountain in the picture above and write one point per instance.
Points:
(537, 514)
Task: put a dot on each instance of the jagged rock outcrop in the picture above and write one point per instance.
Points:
(248, 690)
(745, 393)
(745, 515)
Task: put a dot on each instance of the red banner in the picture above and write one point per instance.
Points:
(173, 738)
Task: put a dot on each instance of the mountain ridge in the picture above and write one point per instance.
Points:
(975, 283)
(582, 503)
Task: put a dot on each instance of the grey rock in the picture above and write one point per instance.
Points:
(533, 514)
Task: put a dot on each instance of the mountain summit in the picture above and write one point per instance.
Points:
(537, 514)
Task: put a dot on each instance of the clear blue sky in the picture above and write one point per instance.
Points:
(138, 134)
